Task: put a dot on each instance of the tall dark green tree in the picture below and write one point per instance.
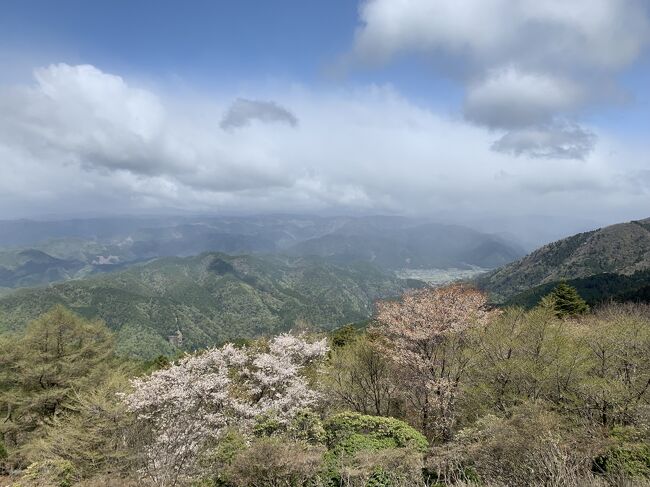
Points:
(566, 301)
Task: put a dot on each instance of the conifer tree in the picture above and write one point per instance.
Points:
(566, 301)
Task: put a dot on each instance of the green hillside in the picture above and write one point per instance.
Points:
(622, 250)
(598, 289)
(210, 298)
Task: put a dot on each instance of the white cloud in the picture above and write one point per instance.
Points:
(603, 34)
(524, 63)
(79, 139)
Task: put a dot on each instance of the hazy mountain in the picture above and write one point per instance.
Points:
(210, 298)
(405, 244)
(76, 248)
(622, 249)
(23, 268)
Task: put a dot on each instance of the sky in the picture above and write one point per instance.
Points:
(467, 109)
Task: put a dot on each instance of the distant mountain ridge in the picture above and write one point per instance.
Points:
(79, 248)
(622, 249)
(429, 245)
(24, 268)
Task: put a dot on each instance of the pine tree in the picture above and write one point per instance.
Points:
(566, 301)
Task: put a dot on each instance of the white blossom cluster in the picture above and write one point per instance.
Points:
(193, 401)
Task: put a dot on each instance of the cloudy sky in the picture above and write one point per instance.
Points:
(419, 107)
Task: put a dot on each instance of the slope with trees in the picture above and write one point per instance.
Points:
(621, 250)
(211, 298)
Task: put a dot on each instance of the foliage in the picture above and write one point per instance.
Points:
(631, 460)
(42, 371)
(192, 403)
(537, 399)
(373, 450)
(598, 369)
(533, 446)
(389, 467)
(94, 435)
(50, 473)
(343, 335)
(359, 377)
(566, 301)
(270, 462)
(597, 290)
(352, 432)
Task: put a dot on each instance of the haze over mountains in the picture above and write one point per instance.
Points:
(224, 278)
(41, 252)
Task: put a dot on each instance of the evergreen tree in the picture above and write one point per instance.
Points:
(59, 356)
(566, 301)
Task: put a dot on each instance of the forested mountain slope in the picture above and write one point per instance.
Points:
(210, 298)
(621, 249)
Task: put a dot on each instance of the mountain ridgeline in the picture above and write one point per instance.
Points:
(400, 244)
(38, 253)
(608, 263)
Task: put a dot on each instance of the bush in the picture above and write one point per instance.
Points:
(392, 467)
(628, 457)
(50, 473)
(276, 461)
(531, 447)
(353, 432)
(373, 451)
(631, 460)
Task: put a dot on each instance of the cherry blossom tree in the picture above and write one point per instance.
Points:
(425, 334)
(185, 407)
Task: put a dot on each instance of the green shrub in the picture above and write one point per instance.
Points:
(533, 446)
(352, 432)
(266, 426)
(373, 451)
(50, 473)
(628, 457)
(305, 426)
(391, 467)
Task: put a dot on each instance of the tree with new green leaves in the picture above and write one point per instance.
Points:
(359, 377)
(566, 301)
(59, 355)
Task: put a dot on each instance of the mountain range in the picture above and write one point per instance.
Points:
(44, 252)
